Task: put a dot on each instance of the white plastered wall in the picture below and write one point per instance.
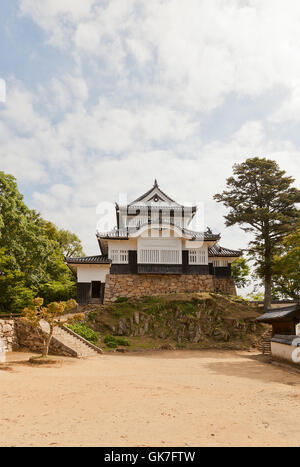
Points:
(121, 245)
(87, 273)
(285, 352)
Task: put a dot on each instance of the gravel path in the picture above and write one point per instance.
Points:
(206, 398)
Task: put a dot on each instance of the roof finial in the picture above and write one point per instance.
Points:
(155, 183)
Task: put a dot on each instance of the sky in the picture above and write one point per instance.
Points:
(102, 97)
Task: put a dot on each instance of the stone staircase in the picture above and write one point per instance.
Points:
(80, 346)
(264, 345)
(67, 342)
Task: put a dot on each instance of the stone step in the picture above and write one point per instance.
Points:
(264, 345)
(82, 349)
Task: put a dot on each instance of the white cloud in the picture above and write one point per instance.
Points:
(67, 91)
(289, 110)
(57, 17)
(87, 37)
(19, 112)
(146, 75)
(197, 53)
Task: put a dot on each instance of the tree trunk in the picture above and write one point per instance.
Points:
(47, 344)
(268, 291)
(268, 269)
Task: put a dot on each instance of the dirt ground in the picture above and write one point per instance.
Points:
(199, 398)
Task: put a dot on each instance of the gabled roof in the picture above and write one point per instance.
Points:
(88, 260)
(156, 192)
(281, 314)
(220, 252)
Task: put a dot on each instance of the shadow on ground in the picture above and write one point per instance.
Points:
(258, 367)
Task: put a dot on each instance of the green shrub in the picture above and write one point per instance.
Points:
(121, 300)
(180, 346)
(113, 342)
(117, 313)
(92, 315)
(85, 331)
(123, 342)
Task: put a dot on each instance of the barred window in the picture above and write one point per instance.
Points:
(159, 257)
(198, 257)
(219, 263)
(119, 256)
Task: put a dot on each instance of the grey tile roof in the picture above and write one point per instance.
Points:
(288, 340)
(117, 233)
(202, 235)
(124, 233)
(88, 260)
(221, 252)
(280, 314)
(160, 206)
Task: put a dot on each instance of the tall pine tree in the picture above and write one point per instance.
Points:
(262, 200)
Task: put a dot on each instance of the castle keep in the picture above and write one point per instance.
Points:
(153, 251)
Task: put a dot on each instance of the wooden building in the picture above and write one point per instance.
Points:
(284, 321)
(285, 341)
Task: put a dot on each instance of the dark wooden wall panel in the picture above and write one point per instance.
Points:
(284, 328)
(130, 268)
(220, 272)
(159, 269)
(83, 293)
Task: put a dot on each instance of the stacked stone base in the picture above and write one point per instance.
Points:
(225, 285)
(33, 340)
(8, 335)
(137, 286)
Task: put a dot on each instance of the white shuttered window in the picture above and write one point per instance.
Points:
(219, 263)
(160, 257)
(198, 257)
(119, 256)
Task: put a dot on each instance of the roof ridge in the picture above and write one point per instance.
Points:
(148, 193)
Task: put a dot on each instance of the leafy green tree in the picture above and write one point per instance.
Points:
(262, 201)
(287, 268)
(240, 271)
(68, 243)
(36, 247)
(55, 314)
(14, 295)
(58, 290)
(256, 296)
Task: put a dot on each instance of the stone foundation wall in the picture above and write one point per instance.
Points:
(225, 285)
(8, 334)
(137, 286)
(33, 340)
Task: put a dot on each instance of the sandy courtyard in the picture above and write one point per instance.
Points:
(161, 399)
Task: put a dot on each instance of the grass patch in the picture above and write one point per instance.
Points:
(92, 315)
(122, 300)
(113, 342)
(85, 331)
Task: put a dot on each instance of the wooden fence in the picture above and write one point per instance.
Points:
(9, 315)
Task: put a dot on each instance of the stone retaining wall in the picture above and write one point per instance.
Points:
(33, 340)
(138, 286)
(8, 334)
(225, 285)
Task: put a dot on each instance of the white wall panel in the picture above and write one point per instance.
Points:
(92, 272)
